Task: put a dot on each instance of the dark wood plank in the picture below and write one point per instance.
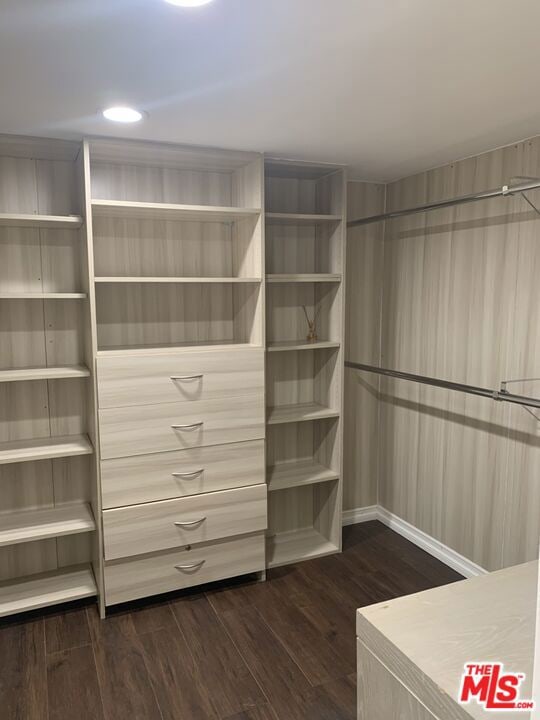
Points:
(333, 701)
(230, 684)
(278, 675)
(152, 616)
(73, 685)
(23, 673)
(66, 629)
(305, 641)
(263, 712)
(124, 681)
(177, 681)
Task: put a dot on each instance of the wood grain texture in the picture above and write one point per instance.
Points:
(155, 574)
(363, 306)
(148, 428)
(23, 681)
(460, 303)
(381, 696)
(156, 526)
(73, 688)
(183, 376)
(147, 478)
(491, 616)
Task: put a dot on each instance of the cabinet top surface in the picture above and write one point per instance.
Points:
(490, 618)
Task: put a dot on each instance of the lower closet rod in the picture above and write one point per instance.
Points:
(499, 395)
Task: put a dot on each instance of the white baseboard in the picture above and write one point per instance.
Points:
(359, 515)
(442, 552)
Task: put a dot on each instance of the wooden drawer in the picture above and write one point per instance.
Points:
(149, 428)
(147, 478)
(165, 572)
(158, 526)
(148, 379)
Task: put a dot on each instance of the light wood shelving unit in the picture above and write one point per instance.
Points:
(305, 265)
(178, 246)
(48, 481)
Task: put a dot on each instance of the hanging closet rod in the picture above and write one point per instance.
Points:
(486, 195)
(498, 395)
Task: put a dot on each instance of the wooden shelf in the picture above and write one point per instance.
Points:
(178, 280)
(299, 413)
(44, 448)
(289, 345)
(290, 547)
(164, 211)
(22, 220)
(298, 473)
(300, 219)
(32, 525)
(51, 588)
(41, 296)
(43, 373)
(304, 277)
(221, 346)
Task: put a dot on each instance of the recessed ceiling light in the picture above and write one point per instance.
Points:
(122, 114)
(188, 3)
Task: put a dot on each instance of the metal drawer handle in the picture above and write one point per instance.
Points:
(189, 523)
(193, 426)
(190, 567)
(187, 377)
(188, 475)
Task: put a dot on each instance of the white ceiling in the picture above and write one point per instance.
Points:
(389, 87)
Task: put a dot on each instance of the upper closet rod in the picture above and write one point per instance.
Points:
(486, 195)
(499, 395)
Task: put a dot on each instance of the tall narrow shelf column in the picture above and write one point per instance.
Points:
(305, 206)
(49, 537)
(178, 291)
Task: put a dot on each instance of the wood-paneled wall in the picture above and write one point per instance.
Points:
(362, 344)
(461, 301)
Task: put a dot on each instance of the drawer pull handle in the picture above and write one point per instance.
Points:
(193, 566)
(192, 426)
(188, 475)
(174, 378)
(189, 523)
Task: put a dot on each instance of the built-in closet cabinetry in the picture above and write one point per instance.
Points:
(49, 495)
(179, 310)
(305, 256)
(165, 421)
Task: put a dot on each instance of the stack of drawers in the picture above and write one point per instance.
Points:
(182, 468)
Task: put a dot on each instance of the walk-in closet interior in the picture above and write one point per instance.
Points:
(269, 360)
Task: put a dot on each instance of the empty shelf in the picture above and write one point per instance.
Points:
(297, 473)
(43, 373)
(22, 220)
(41, 296)
(177, 280)
(301, 345)
(44, 590)
(165, 211)
(31, 525)
(304, 277)
(290, 547)
(44, 448)
(300, 219)
(299, 413)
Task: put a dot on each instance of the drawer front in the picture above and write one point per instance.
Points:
(176, 426)
(174, 523)
(169, 571)
(179, 377)
(147, 478)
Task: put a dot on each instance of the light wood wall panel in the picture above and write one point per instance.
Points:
(362, 344)
(461, 302)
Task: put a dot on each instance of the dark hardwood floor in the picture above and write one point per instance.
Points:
(241, 650)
